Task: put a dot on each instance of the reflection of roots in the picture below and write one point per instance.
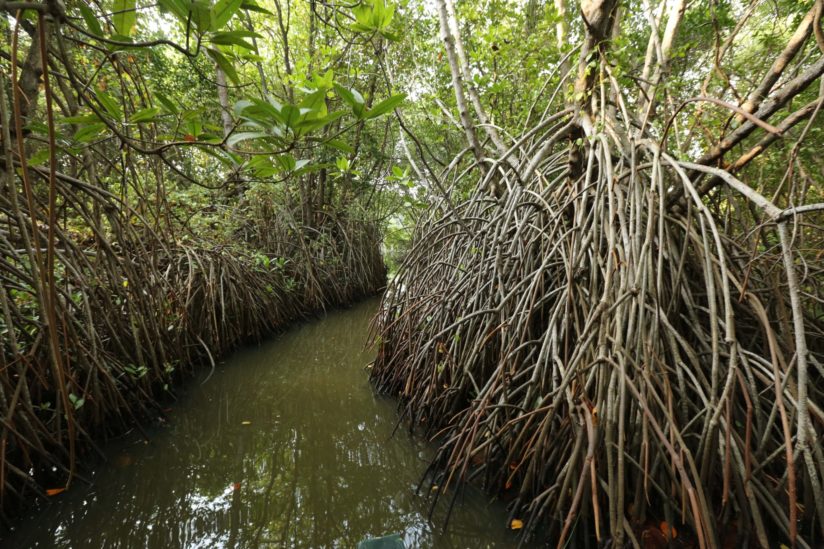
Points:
(602, 362)
(134, 310)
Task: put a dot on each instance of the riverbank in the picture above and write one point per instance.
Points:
(140, 316)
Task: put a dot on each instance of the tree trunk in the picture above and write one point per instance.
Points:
(457, 82)
(223, 98)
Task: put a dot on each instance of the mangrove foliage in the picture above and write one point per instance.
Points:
(604, 221)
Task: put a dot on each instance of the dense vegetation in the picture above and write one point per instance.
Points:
(614, 318)
(605, 218)
(169, 190)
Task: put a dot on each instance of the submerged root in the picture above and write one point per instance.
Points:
(605, 361)
(128, 311)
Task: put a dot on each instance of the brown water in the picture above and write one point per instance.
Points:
(285, 445)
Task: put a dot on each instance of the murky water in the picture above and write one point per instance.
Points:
(285, 445)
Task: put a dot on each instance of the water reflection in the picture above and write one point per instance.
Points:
(284, 446)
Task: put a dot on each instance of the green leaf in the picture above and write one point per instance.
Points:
(178, 7)
(373, 16)
(193, 125)
(223, 11)
(201, 14)
(124, 17)
(340, 145)
(261, 113)
(385, 106)
(226, 158)
(352, 98)
(345, 94)
(384, 14)
(363, 15)
(315, 102)
(291, 115)
(110, 104)
(312, 124)
(241, 106)
(89, 133)
(252, 6)
(76, 401)
(262, 166)
(224, 64)
(236, 138)
(121, 38)
(324, 81)
(80, 119)
(37, 127)
(358, 97)
(167, 103)
(38, 158)
(234, 38)
(145, 115)
(391, 36)
(91, 20)
(286, 162)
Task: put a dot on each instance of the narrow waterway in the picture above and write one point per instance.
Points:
(284, 445)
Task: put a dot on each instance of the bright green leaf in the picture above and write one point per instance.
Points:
(252, 6)
(145, 115)
(352, 98)
(236, 138)
(124, 17)
(286, 162)
(167, 103)
(80, 119)
(306, 126)
(223, 12)
(110, 104)
(262, 166)
(225, 65)
(89, 133)
(235, 38)
(91, 20)
(178, 7)
(385, 106)
(340, 145)
(38, 158)
(291, 115)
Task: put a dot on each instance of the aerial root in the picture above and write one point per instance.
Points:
(136, 309)
(606, 363)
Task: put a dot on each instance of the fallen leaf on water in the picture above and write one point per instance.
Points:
(245, 422)
(123, 460)
(652, 538)
(667, 530)
(55, 491)
(236, 486)
(516, 524)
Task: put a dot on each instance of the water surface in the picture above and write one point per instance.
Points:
(285, 445)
